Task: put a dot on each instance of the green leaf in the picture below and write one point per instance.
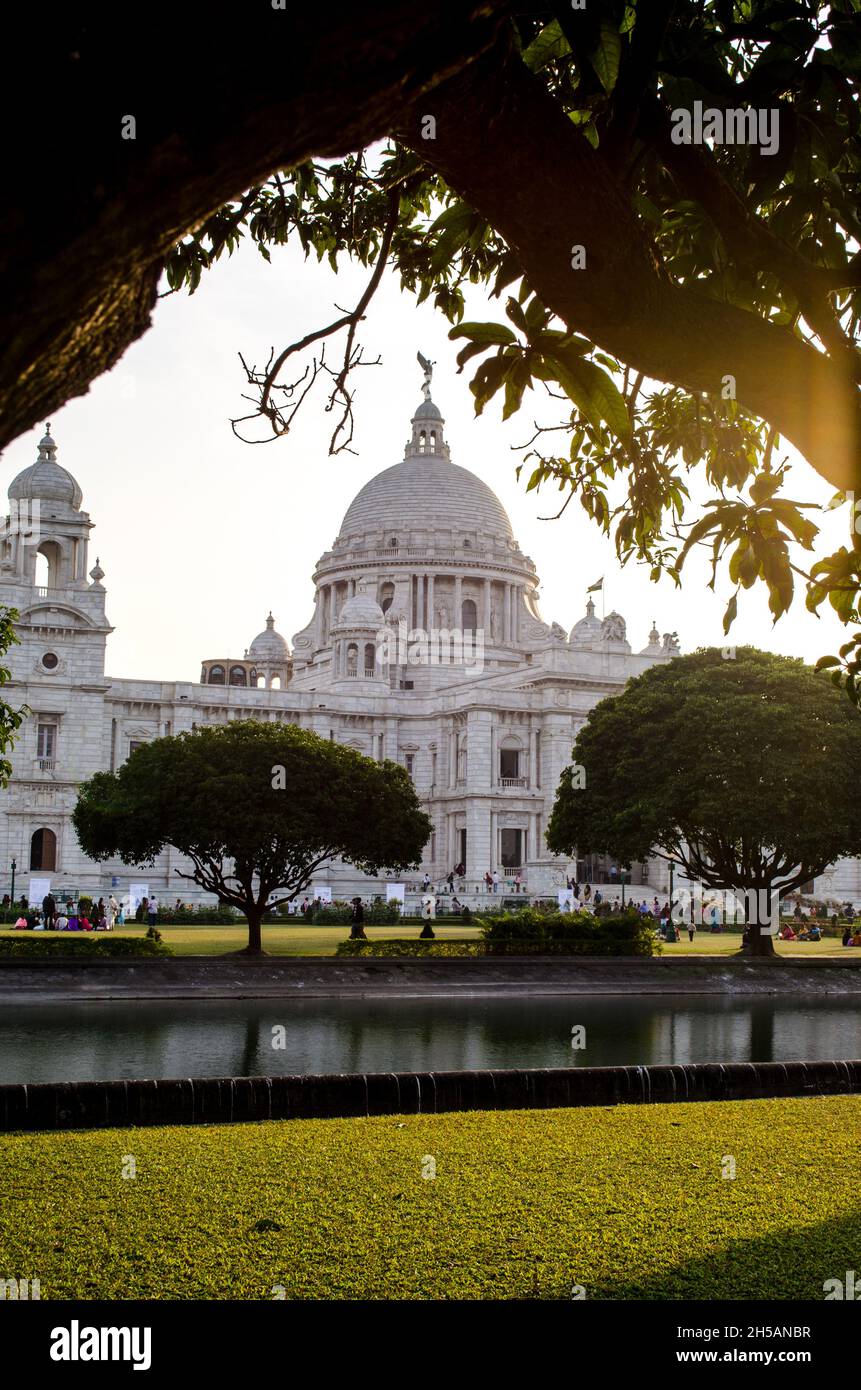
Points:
(606, 55)
(731, 614)
(549, 44)
(489, 334)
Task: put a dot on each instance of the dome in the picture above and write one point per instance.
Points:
(427, 492)
(269, 645)
(428, 411)
(588, 630)
(46, 481)
(362, 610)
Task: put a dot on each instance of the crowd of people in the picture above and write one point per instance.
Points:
(83, 915)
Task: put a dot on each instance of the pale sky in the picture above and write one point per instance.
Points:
(200, 535)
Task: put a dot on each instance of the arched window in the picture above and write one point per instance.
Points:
(216, 675)
(47, 573)
(275, 683)
(260, 682)
(43, 849)
(423, 439)
(433, 441)
(387, 594)
(238, 676)
(352, 659)
(370, 659)
(469, 616)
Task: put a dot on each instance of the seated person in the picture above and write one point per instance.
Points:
(847, 936)
(39, 924)
(74, 924)
(21, 924)
(85, 923)
(61, 923)
(815, 934)
(455, 904)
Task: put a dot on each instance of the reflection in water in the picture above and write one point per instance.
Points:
(93, 1041)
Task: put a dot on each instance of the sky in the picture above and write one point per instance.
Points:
(200, 535)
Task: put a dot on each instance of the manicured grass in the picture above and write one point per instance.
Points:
(323, 941)
(628, 1202)
(279, 941)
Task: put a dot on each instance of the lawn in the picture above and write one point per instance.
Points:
(303, 940)
(626, 1202)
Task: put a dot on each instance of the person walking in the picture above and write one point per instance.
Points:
(357, 918)
(113, 912)
(495, 880)
(49, 910)
(426, 883)
(692, 928)
(152, 911)
(450, 881)
(488, 881)
(518, 880)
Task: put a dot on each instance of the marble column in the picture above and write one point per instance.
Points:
(486, 617)
(493, 756)
(431, 622)
(506, 623)
(457, 618)
(452, 758)
(420, 602)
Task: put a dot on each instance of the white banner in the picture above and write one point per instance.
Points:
(566, 899)
(137, 893)
(324, 894)
(39, 889)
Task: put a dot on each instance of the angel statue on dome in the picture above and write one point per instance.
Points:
(427, 368)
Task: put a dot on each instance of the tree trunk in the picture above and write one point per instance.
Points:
(255, 936)
(759, 944)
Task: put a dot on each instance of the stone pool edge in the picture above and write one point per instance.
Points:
(228, 1100)
(206, 977)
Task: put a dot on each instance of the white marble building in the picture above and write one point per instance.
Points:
(485, 732)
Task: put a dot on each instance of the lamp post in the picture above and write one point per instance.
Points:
(12, 894)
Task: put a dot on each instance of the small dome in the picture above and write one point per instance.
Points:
(46, 481)
(362, 610)
(588, 630)
(428, 411)
(269, 645)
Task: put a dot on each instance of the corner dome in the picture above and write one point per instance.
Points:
(46, 481)
(362, 610)
(269, 645)
(588, 630)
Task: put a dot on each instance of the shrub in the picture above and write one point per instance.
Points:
(71, 946)
(576, 933)
(415, 947)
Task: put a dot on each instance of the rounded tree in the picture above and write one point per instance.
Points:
(256, 809)
(742, 770)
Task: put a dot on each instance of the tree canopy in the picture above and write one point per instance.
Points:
(256, 808)
(683, 310)
(744, 772)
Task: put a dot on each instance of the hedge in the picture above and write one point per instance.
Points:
(415, 947)
(569, 933)
(70, 945)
